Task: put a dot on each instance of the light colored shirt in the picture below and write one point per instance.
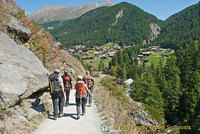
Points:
(60, 81)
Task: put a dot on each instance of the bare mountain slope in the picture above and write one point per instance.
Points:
(56, 13)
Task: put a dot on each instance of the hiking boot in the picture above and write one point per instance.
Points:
(61, 115)
(78, 116)
(66, 104)
(90, 104)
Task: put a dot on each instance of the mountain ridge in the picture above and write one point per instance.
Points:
(183, 26)
(108, 24)
(58, 13)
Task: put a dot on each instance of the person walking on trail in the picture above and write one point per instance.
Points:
(67, 86)
(89, 81)
(81, 94)
(57, 93)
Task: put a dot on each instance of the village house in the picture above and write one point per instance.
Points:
(88, 57)
(71, 50)
(168, 50)
(127, 46)
(140, 56)
(97, 48)
(154, 48)
(146, 53)
(139, 60)
(105, 52)
(119, 48)
(80, 51)
(111, 54)
(102, 57)
(97, 54)
(85, 54)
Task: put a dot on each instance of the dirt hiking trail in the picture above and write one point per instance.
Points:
(88, 124)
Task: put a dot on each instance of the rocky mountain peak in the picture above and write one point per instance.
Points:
(57, 13)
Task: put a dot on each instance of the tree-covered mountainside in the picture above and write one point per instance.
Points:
(171, 90)
(180, 27)
(123, 23)
(55, 24)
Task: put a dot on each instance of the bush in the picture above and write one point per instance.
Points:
(95, 74)
(115, 90)
(3, 113)
(21, 14)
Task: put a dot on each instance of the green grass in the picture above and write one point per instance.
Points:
(155, 60)
(155, 57)
(111, 45)
(102, 115)
(91, 52)
(106, 61)
(95, 63)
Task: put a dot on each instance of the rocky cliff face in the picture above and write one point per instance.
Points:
(27, 54)
(18, 31)
(155, 31)
(21, 73)
(57, 13)
(25, 48)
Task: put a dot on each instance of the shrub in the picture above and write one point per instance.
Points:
(115, 90)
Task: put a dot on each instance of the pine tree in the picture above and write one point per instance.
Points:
(195, 121)
(113, 71)
(147, 92)
(171, 91)
(114, 61)
(132, 71)
(188, 61)
(120, 58)
(123, 73)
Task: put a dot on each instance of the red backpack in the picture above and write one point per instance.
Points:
(80, 89)
(88, 80)
(66, 81)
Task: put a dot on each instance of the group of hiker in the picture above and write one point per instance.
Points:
(60, 87)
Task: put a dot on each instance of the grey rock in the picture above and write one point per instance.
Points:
(22, 118)
(34, 102)
(39, 108)
(21, 73)
(141, 119)
(155, 29)
(18, 29)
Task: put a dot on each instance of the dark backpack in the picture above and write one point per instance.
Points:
(66, 81)
(55, 83)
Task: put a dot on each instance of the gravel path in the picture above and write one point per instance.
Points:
(68, 124)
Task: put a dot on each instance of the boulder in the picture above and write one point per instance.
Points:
(18, 30)
(21, 73)
(140, 118)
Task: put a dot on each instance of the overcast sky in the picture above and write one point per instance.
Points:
(162, 9)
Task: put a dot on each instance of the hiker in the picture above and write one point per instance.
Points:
(89, 81)
(67, 86)
(57, 93)
(81, 94)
